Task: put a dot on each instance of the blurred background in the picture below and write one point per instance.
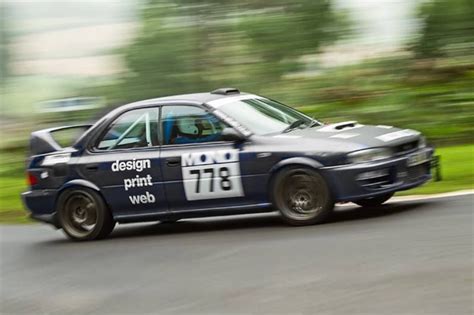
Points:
(404, 63)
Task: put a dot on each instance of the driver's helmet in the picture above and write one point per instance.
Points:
(188, 126)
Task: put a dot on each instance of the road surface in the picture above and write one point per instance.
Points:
(412, 257)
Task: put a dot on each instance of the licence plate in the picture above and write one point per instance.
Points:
(418, 158)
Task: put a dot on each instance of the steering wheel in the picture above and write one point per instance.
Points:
(199, 126)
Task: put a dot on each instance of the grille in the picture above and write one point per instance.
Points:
(416, 172)
(406, 147)
(377, 182)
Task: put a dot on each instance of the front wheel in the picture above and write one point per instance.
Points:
(302, 196)
(83, 215)
(374, 201)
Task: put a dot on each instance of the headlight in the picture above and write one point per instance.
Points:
(369, 155)
(422, 143)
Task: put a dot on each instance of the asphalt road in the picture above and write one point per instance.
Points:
(413, 257)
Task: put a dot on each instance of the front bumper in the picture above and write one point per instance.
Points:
(358, 181)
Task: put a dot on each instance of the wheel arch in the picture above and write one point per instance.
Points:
(290, 162)
(80, 183)
(295, 161)
(77, 183)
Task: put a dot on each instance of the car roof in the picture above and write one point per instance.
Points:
(190, 99)
(195, 98)
(198, 98)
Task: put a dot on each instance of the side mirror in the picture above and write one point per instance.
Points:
(230, 134)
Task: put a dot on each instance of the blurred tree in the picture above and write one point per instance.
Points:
(447, 28)
(163, 57)
(282, 31)
(197, 45)
(4, 53)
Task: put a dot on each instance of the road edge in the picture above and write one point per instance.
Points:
(433, 196)
(457, 193)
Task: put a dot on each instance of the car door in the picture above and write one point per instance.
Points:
(125, 163)
(200, 170)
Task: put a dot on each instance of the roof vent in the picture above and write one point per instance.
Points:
(226, 91)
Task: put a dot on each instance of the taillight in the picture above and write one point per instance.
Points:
(31, 179)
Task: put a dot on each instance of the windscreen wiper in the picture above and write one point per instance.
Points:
(294, 125)
(314, 123)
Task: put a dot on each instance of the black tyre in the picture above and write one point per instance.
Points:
(374, 201)
(83, 215)
(302, 196)
(169, 221)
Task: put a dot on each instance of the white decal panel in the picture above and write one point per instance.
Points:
(50, 160)
(211, 175)
(397, 135)
(345, 135)
(139, 180)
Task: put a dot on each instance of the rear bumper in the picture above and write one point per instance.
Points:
(354, 182)
(47, 218)
(41, 205)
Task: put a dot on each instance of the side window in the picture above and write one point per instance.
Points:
(189, 124)
(133, 129)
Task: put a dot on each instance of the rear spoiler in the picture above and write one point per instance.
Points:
(42, 141)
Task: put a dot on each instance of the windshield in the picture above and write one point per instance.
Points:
(263, 116)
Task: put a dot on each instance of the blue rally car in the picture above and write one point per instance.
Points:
(216, 153)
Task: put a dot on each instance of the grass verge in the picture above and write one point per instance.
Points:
(457, 168)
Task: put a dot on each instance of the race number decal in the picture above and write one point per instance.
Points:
(211, 175)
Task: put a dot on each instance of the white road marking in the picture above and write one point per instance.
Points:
(422, 197)
(434, 196)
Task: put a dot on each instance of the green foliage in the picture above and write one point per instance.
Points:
(199, 45)
(4, 37)
(447, 28)
(284, 31)
(392, 92)
(262, 47)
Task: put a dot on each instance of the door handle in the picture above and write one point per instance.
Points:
(92, 167)
(174, 161)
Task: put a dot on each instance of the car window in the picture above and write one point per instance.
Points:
(133, 129)
(189, 124)
(263, 116)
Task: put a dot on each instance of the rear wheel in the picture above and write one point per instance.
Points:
(302, 196)
(374, 201)
(83, 215)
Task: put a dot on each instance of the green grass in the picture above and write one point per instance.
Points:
(11, 208)
(457, 167)
(457, 170)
